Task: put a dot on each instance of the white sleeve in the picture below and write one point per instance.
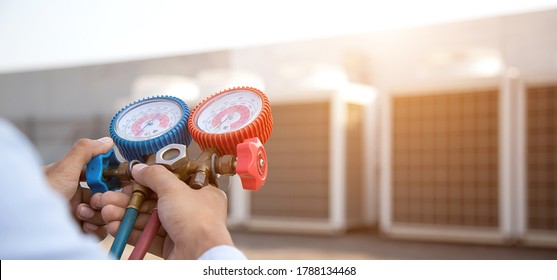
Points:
(223, 252)
(35, 222)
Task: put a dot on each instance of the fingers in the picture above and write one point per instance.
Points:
(85, 149)
(120, 200)
(100, 231)
(92, 221)
(157, 178)
(85, 213)
(112, 206)
(100, 200)
(112, 214)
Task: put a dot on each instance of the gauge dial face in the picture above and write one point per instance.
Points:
(229, 111)
(148, 119)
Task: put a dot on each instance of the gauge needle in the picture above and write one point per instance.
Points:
(229, 116)
(149, 123)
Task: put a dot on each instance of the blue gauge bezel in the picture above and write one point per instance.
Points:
(138, 150)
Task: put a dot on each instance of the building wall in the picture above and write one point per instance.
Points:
(54, 108)
(387, 60)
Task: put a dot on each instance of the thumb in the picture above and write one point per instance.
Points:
(157, 178)
(85, 149)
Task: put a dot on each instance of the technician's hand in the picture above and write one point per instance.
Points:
(194, 220)
(63, 176)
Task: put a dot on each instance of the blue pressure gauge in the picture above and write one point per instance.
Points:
(147, 125)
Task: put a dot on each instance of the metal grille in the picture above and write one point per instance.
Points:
(445, 158)
(542, 157)
(298, 151)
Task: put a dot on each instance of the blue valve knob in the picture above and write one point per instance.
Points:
(94, 173)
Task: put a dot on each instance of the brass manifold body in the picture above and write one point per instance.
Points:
(197, 173)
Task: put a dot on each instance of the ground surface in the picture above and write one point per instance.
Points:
(367, 246)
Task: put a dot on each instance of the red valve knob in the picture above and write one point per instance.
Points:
(252, 163)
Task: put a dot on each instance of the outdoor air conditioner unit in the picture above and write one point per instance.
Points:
(445, 163)
(321, 165)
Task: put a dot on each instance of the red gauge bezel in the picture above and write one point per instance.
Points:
(225, 143)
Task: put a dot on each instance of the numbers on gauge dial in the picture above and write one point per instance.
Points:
(148, 120)
(229, 112)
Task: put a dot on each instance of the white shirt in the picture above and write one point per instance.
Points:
(35, 221)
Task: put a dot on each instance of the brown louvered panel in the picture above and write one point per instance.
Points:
(444, 158)
(542, 157)
(298, 151)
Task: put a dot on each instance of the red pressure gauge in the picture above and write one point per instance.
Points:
(227, 118)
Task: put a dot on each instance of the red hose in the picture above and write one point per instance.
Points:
(147, 237)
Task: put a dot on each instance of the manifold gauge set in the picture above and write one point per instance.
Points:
(229, 126)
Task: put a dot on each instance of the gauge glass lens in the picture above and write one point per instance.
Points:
(229, 111)
(148, 119)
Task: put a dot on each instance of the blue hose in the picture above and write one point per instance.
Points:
(123, 233)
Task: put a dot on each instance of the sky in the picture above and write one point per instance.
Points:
(37, 35)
